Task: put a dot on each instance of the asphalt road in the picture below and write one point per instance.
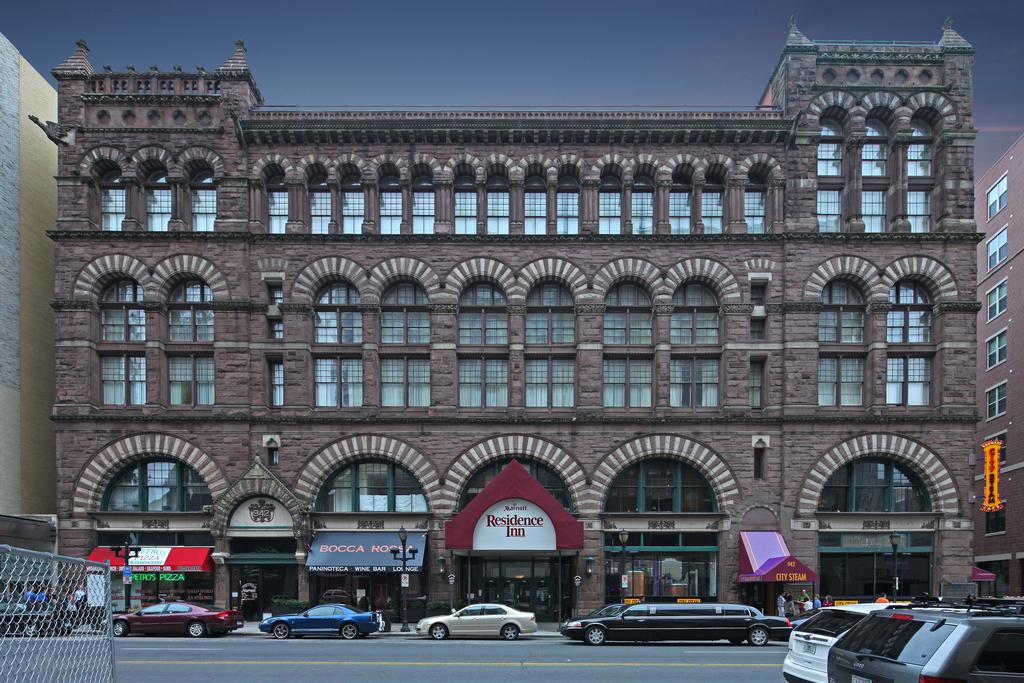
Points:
(310, 660)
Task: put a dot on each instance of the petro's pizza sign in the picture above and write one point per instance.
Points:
(514, 524)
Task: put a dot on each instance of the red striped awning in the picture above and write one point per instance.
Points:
(159, 559)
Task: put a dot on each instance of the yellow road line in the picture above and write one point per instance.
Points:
(507, 665)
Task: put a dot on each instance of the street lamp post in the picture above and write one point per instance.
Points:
(894, 541)
(623, 537)
(406, 555)
(127, 551)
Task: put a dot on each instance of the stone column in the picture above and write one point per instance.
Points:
(735, 188)
(589, 357)
(135, 206)
(734, 368)
(516, 206)
(371, 206)
(298, 206)
(696, 194)
(626, 207)
(662, 358)
(875, 319)
(516, 357)
(444, 371)
(335, 189)
(444, 221)
(371, 356)
(257, 207)
(775, 206)
(406, 226)
(588, 206)
(552, 207)
(181, 208)
(897, 204)
(854, 185)
(662, 188)
(233, 205)
(481, 207)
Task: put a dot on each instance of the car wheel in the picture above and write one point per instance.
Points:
(121, 628)
(349, 631)
(281, 631)
(509, 632)
(438, 631)
(758, 636)
(595, 635)
(196, 629)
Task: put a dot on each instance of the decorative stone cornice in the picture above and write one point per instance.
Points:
(874, 57)
(104, 131)
(132, 98)
(878, 307)
(664, 309)
(443, 309)
(72, 304)
(736, 309)
(802, 307)
(240, 306)
(516, 309)
(958, 307)
(589, 309)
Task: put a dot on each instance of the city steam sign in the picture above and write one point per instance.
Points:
(514, 524)
(991, 502)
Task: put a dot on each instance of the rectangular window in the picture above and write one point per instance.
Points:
(351, 394)
(996, 299)
(758, 329)
(319, 212)
(758, 293)
(124, 380)
(497, 213)
(758, 463)
(679, 212)
(274, 456)
(996, 347)
(277, 211)
(614, 383)
(997, 197)
(830, 159)
(536, 213)
(465, 213)
(276, 383)
(158, 210)
(996, 401)
(405, 382)
(840, 381)
(756, 389)
(326, 378)
(191, 381)
(483, 383)
(643, 213)
(753, 211)
(829, 212)
(873, 160)
(204, 210)
(997, 249)
(711, 212)
(995, 522)
(919, 161)
(627, 383)
(276, 329)
(908, 381)
(112, 207)
(693, 383)
(339, 382)
(550, 383)
(390, 213)
(610, 213)
(872, 209)
(919, 211)
(423, 213)
(568, 211)
(353, 208)
(114, 325)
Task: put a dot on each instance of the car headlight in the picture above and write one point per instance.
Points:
(574, 624)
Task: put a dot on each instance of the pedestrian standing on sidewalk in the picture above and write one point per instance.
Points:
(781, 602)
(817, 601)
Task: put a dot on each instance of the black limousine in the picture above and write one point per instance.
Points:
(704, 621)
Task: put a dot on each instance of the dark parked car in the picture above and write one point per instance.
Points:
(706, 621)
(323, 620)
(178, 618)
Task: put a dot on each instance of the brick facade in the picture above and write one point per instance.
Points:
(121, 123)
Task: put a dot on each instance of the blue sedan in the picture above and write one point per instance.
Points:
(323, 620)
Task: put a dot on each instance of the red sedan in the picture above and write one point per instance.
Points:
(178, 618)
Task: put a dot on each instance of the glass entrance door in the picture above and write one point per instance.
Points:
(253, 587)
(526, 584)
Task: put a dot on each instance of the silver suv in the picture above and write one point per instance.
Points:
(933, 642)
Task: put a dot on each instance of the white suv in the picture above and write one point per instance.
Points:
(807, 657)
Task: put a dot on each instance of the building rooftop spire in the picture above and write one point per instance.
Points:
(795, 35)
(237, 61)
(951, 39)
(77, 64)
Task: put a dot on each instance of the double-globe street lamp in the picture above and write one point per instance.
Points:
(403, 553)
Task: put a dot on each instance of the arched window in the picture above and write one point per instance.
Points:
(679, 201)
(535, 214)
(628, 315)
(643, 205)
(568, 202)
(372, 486)
(122, 319)
(610, 202)
(404, 317)
(112, 200)
(550, 322)
(204, 201)
(337, 314)
(547, 477)
(695, 316)
(497, 204)
(712, 201)
(909, 320)
(353, 204)
(319, 204)
(693, 379)
(423, 202)
(660, 485)
(190, 314)
(550, 316)
(874, 153)
(830, 149)
(874, 485)
(158, 201)
(842, 316)
(157, 485)
(919, 152)
(390, 186)
(465, 204)
(483, 318)
(277, 201)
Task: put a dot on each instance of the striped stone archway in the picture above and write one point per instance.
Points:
(920, 460)
(937, 275)
(99, 272)
(863, 272)
(703, 459)
(100, 470)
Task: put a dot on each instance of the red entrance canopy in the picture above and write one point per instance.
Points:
(765, 557)
(159, 559)
(979, 574)
(514, 481)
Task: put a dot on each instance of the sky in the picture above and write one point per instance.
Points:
(558, 53)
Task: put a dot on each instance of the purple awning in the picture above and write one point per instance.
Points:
(764, 556)
(979, 574)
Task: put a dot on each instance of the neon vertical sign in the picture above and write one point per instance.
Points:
(991, 501)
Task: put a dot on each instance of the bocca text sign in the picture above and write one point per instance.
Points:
(514, 524)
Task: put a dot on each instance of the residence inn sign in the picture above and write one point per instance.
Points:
(514, 524)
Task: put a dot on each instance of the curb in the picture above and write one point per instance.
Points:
(411, 635)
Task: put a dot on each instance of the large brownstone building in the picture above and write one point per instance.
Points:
(745, 338)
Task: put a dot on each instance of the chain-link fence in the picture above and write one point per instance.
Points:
(55, 624)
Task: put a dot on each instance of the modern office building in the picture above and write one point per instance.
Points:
(730, 349)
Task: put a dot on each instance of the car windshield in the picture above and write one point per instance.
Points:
(609, 611)
(896, 638)
(831, 623)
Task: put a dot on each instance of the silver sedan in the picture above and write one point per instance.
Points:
(484, 620)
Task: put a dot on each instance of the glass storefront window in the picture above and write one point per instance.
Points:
(660, 485)
(372, 486)
(871, 485)
(149, 588)
(863, 576)
(999, 587)
(664, 575)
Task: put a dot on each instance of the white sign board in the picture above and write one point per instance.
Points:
(514, 524)
(150, 557)
(405, 580)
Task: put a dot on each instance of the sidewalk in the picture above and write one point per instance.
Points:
(544, 630)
